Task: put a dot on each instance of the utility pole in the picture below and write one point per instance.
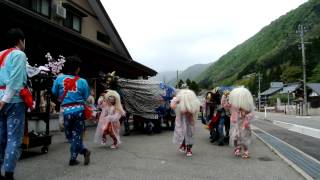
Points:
(177, 78)
(259, 96)
(288, 101)
(301, 30)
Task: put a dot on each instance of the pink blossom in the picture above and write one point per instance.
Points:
(55, 65)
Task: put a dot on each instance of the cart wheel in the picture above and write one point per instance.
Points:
(44, 149)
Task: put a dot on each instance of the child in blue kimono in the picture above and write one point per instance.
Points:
(73, 91)
(13, 77)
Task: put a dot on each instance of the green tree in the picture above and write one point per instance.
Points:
(180, 84)
(194, 86)
(188, 82)
(291, 74)
(315, 74)
(273, 99)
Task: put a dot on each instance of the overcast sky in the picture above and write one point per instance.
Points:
(175, 34)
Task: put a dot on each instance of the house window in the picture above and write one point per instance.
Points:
(41, 6)
(73, 21)
(103, 37)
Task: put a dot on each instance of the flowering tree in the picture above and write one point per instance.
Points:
(55, 65)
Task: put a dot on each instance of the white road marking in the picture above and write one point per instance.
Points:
(299, 129)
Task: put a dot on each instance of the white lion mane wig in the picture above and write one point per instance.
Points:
(118, 106)
(241, 98)
(188, 101)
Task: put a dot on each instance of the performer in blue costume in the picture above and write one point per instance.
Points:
(73, 91)
(13, 77)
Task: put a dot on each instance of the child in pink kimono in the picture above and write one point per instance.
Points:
(109, 123)
(186, 105)
(240, 103)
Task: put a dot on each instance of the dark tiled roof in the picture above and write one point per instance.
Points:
(276, 84)
(290, 88)
(315, 87)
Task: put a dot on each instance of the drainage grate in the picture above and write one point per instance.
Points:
(311, 167)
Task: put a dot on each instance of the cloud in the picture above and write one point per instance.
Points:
(175, 34)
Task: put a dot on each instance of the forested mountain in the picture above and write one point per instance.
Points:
(190, 73)
(274, 52)
(165, 76)
(170, 77)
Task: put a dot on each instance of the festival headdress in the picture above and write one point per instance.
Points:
(188, 101)
(241, 98)
(111, 94)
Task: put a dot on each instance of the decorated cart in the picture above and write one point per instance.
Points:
(39, 137)
(146, 102)
(40, 80)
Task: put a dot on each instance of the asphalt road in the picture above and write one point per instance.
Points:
(307, 144)
(308, 121)
(144, 157)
